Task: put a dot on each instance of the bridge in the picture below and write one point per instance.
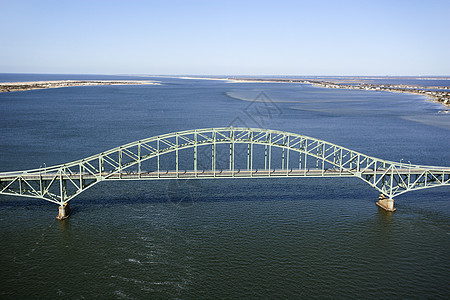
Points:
(228, 152)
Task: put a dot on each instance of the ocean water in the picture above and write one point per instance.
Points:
(252, 238)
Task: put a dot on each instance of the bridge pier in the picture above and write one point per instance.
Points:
(386, 203)
(64, 211)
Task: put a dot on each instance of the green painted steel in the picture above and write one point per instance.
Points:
(60, 184)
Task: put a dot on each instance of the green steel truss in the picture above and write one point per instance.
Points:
(221, 153)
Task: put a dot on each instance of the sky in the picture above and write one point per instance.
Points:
(207, 37)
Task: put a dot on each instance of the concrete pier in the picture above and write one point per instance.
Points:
(386, 203)
(64, 211)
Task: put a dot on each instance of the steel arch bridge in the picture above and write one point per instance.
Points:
(228, 152)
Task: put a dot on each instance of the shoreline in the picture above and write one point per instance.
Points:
(6, 87)
(441, 97)
(433, 93)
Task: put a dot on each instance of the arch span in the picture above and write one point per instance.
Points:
(221, 153)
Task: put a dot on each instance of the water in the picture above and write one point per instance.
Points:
(261, 238)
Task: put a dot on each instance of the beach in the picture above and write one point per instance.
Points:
(38, 85)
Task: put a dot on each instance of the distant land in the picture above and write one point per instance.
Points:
(38, 85)
(439, 94)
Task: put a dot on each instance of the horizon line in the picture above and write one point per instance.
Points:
(220, 75)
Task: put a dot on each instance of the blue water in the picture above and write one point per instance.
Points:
(274, 238)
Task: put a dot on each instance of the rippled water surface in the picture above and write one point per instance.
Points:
(242, 238)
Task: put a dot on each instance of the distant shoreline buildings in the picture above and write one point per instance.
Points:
(439, 94)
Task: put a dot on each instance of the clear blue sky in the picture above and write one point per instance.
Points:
(226, 37)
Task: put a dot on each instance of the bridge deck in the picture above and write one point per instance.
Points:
(186, 174)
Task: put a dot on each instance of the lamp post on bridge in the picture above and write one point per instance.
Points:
(409, 173)
(40, 177)
(40, 169)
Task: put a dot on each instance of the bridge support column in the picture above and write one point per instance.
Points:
(386, 203)
(64, 211)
